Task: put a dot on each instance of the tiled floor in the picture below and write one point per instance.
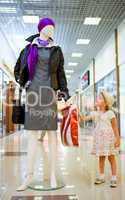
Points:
(77, 168)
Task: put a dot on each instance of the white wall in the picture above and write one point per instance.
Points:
(121, 50)
(105, 60)
(122, 99)
(121, 41)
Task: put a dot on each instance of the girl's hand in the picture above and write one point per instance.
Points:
(81, 117)
(117, 142)
(85, 118)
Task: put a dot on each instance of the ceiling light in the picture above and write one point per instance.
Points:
(63, 168)
(68, 76)
(92, 20)
(40, 168)
(82, 41)
(7, 9)
(32, 1)
(69, 71)
(78, 159)
(30, 19)
(78, 55)
(6, 1)
(72, 64)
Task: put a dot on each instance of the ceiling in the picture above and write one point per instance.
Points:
(69, 16)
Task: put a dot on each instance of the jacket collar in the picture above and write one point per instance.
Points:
(32, 37)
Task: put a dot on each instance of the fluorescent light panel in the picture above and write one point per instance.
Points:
(6, 1)
(30, 19)
(69, 71)
(92, 20)
(72, 64)
(82, 41)
(68, 76)
(7, 9)
(32, 1)
(78, 55)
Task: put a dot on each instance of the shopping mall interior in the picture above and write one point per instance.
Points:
(83, 45)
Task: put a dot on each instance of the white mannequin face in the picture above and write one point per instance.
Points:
(47, 32)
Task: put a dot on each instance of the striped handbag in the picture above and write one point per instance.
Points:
(69, 126)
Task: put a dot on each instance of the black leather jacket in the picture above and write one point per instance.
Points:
(57, 74)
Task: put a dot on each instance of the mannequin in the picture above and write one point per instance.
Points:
(45, 35)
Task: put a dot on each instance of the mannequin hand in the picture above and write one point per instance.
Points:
(61, 105)
(117, 142)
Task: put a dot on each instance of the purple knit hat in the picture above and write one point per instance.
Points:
(44, 22)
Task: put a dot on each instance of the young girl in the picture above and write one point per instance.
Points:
(106, 135)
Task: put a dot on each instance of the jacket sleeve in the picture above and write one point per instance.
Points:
(62, 77)
(18, 67)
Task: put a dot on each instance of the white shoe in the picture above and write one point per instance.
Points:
(99, 181)
(25, 185)
(113, 183)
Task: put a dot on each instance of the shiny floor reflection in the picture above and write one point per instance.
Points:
(77, 167)
(50, 197)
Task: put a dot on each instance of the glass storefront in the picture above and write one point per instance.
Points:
(108, 83)
(4, 80)
(1, 111)
(87, 104)
(87, 98)
(122, 100)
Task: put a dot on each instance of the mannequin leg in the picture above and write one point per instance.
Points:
(42, 135)
(32, 148)
(44, 154)
(52, 142)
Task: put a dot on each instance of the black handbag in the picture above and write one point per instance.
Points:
(18, 113)
(24, 76)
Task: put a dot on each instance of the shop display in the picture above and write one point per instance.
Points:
(85, 80)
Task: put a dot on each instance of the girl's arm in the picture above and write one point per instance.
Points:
(85, 118)
(116, 132)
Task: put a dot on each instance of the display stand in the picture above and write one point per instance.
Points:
(54, 181)
(46, 185)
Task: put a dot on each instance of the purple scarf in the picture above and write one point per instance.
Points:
(33, 57)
